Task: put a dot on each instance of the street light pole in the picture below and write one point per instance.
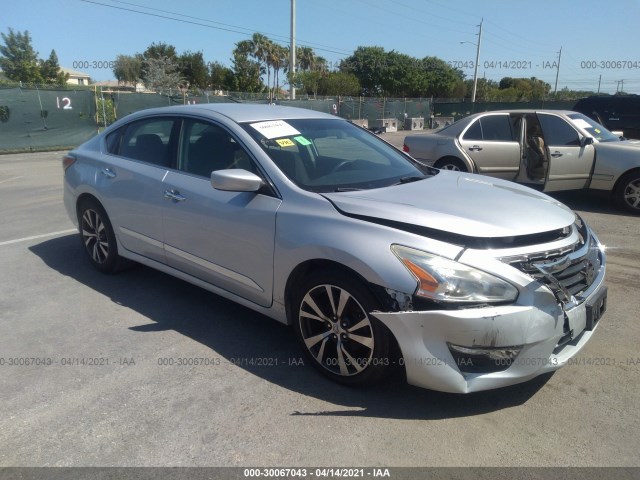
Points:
(475, 70)
(292, 53)
(555, 89)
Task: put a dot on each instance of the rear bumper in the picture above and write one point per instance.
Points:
(425, 340)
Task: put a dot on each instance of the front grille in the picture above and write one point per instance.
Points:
(568, 272)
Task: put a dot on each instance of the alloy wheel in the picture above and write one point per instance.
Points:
(632, 193)
(94, 236)
(336, 330)
(450, 166)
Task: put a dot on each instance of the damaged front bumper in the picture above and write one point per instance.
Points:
(474, 349)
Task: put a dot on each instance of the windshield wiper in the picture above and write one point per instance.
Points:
(410, 179)
(348, 189)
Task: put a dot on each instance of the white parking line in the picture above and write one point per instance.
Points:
(35, 237)
(12, 178)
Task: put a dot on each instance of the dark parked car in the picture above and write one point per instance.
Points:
(620, 113)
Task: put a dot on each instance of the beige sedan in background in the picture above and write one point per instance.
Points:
(550, 150)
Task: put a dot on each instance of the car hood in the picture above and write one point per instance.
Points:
(461, 204)
(629, 145)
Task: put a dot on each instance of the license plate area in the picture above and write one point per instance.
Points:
(596, 308)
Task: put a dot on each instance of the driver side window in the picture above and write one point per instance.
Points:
(557, 132)
(207, 147)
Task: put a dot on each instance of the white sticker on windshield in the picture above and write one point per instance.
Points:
(275, 129)
(581, 123)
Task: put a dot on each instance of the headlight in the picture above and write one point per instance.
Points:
(448, 281)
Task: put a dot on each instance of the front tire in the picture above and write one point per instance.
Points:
(97, 236)
(627, 194)
(336, 332)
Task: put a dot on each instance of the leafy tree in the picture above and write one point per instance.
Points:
(247, 72)
(310, 81)
(194, 69)
(153, 53)
(18, 59)
(50, 71)
(340, 83)
(369, 65)
(442, 80)
(221, 77)
(128, 68)
(397, 74)
(159, 50)
(162, 74)
(105, 111)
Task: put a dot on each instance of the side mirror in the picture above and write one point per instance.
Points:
(236, 180)
(586, 141)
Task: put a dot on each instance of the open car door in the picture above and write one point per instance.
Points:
(571, 155)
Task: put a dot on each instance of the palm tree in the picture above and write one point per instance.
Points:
(279, 61)
(305, 58)
(262, 48)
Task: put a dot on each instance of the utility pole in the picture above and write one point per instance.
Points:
(599, 82)
(475, 70)
(555, 90)
(292, 53)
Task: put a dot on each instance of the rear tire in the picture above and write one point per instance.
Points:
(339, 337)
(97, 236)
(627, 194)
(454, 164)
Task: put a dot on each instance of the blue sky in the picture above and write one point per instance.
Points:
(597, 39)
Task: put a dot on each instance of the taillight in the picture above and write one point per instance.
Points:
(405, 148)
(67, 161)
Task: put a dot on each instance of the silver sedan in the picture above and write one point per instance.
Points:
(321, 225)
(549, 150)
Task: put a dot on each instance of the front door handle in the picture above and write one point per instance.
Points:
(556, 154)
(475, 148)
(174, 196)
(107, 172)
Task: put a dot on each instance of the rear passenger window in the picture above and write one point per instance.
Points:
(496, 128)
(146, 140)
(557, 131)
(113, 141)
(493, 128)
(474, 132)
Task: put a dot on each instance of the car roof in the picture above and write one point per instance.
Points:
(529, 110)
(239, 112)
(457, 127)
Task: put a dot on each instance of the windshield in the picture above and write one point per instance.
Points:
(592, 127)
(326, 155)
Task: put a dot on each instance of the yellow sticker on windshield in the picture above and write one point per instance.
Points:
(597, 130)
(285, 142)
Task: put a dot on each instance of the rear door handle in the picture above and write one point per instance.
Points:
(107, 172)
(475, 148)
(556, 154)
(174, 196)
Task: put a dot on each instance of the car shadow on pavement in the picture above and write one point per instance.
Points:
(248, 339)
(589, 201)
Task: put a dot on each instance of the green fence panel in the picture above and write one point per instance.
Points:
(33, 119)
(36, 119)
